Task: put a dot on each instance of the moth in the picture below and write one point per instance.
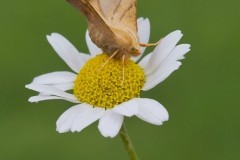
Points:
(112, 25)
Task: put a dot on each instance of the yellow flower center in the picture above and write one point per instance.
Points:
(109, 85)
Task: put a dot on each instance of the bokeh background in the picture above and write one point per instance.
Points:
(202, 97)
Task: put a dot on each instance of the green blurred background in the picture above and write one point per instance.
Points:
(202, 97)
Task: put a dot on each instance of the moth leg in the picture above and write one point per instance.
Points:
(123, 71)
(114, 54)
(150, 44)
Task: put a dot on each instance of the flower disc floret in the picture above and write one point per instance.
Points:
(107, 85)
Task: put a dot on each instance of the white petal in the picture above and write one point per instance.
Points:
(65, 121)
(151, 111)
(143, 34)
(93, 49)
(140, 20)
(73, 58)
(178, 53)
(50, 90)
(162, 51)
(169, 65)
(86, 118)
(128, 108)
(85, 56)
(64, 86)
(61, 86)
(47, 97)
(143, 63)
(110, 124)
(55, 78)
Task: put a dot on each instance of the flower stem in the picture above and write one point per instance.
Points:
(128, 143)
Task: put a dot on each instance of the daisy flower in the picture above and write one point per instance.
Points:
(102, 94)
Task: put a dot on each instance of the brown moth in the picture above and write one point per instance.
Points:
(112, 25)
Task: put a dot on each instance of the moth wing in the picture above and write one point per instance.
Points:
(95, 19)
(120, 12)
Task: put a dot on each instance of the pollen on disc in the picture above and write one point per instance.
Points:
(106, 87)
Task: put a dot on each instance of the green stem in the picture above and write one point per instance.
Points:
(127, 143)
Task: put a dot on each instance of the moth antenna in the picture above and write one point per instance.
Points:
(114, 54)
(150, 44)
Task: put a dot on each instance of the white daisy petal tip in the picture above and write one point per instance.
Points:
(31, 101)
(109, 135)
(176, 33)
(142, 19)
(152, 111)
(53, 36)
(110, 124)
(49, 36)
(164, 114)
(61, 130)
(29, 86)
(26, 86)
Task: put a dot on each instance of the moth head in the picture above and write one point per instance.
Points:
(134, 51)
